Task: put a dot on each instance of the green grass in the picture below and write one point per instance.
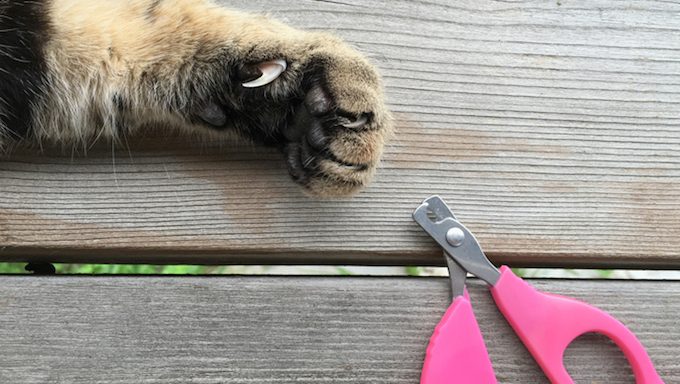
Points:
(123, 269)
(142, 269)
(12, 268)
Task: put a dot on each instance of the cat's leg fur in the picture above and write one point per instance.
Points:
(105, 68)
(23, 33)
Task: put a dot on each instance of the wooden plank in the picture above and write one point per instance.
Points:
(552, 128)
(290, 330)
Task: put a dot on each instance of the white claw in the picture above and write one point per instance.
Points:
(360, 122)
(271, 70)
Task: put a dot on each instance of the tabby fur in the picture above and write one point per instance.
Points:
(76, 71)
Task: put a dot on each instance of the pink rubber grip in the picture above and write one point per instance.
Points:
(457, 353)
(547, 324)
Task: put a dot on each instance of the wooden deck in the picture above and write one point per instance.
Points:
(245, 330)
(552, 128)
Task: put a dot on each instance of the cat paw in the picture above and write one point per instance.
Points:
(335, 136)
(319, 100)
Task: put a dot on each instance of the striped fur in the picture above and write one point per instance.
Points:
(102, 69)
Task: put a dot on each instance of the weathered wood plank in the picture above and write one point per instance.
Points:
(552, 127)
(82, 330)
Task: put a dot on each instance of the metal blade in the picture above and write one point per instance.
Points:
(457, 277)
(456, 239)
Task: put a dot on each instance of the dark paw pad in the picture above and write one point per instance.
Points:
(326, 148)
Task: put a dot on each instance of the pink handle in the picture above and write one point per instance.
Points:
(457, 354)
(547, 324)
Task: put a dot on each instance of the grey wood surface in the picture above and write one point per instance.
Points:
(551, 127)
(83, 330)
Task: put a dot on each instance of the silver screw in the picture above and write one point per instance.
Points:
(455, 237)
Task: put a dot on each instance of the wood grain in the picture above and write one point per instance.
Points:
(82, 330)
(551, 127)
